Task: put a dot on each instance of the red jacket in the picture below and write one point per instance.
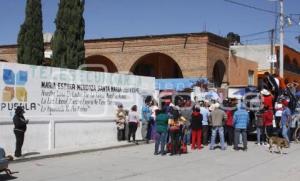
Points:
(268, 118)
(268, 100)
(229, 121)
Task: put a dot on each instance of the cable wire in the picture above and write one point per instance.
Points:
(252, 7)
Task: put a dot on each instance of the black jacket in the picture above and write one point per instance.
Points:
(20, 122)
(196, 122)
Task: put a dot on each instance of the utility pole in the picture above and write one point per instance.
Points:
(281, 39)
(272, 50)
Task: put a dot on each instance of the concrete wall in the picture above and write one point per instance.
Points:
(257, 53)
(49, 135)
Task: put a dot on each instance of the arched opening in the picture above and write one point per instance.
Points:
(157, 65)
(100, 63)
(218, 73)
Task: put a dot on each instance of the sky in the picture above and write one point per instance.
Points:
(122, 18)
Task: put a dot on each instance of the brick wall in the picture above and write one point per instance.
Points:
(238, 71)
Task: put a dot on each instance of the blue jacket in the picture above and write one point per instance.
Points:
(240, 119)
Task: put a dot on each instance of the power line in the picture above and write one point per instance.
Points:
(258, 33)
(255, 39)
(252, 7)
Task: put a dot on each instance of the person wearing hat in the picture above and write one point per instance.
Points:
(270, 84)
(20, 128)
(218, 118)
(286, 119)
(267, 99)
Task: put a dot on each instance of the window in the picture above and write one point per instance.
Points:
(250, 77)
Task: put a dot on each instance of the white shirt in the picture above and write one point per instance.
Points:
(133, 116)
(153, 110)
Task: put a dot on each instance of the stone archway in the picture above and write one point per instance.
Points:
(100, 63)
(157, 65)
(219, 73)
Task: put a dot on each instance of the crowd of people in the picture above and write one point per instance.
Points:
(198, 123)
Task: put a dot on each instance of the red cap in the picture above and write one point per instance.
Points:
(167, 101)
(285, 103)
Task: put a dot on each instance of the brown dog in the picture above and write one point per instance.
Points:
(278, 142)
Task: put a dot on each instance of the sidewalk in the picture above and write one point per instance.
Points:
(72, 151)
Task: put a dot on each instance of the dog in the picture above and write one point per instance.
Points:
(6, 169)
(278, 142)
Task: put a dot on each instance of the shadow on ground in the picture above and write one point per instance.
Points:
(4, 177)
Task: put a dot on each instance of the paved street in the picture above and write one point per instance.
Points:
(139, 163)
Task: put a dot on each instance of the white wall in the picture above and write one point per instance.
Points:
(72, 108)
(46, 136)
(257, 53)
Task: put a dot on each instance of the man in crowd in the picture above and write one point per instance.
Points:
(218, 118)
(146, 115)
(240, 122)
(286, 120)
(205, 113)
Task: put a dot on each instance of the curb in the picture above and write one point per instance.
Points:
(19, 160)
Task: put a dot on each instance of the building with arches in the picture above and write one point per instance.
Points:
(164, 56)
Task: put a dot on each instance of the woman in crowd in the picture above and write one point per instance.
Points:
(20, 128)
(153, 108)
(267, 99)
(161, 131)
(133, 121)
(268, 121)
(121, 122)
(175, 132)
(196, 126)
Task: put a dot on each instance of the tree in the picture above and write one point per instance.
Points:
(30, 38)
(233, 38)
(68, 40)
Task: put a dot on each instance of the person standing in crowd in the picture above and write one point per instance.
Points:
(282, 85)
(133, 121)
(267, 99)
(286, 120)
(186, 112)
(174, 128)
(153, 108)
(196, 126)
(259, 122)
(268, 121)
(205, 117)
(146, 115)
(240, 122)
(271, 85)
(229, 130)
(20, 128)
(161, 131)
(121, 122)
(278, 114)
(218, 118)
